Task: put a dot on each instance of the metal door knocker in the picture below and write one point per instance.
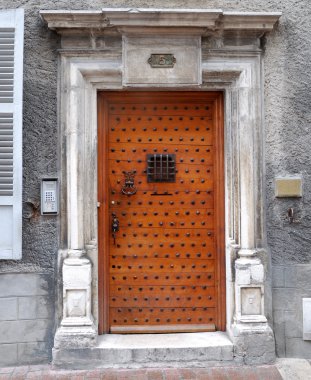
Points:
(129, 187)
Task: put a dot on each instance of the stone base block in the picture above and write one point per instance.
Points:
(75, 337)
(254, 344)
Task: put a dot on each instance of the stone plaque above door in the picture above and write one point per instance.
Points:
(186, 70)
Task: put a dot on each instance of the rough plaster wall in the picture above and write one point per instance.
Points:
(40, 147)
(288, 137)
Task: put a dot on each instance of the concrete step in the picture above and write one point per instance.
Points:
(150, 350)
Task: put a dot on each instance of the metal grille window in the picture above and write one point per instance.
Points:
(161, 167)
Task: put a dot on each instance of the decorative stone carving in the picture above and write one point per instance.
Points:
(251, 301)
(249, 290)
(76, 292)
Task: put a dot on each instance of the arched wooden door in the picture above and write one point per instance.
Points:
(161, 189)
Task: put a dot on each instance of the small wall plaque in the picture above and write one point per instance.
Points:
(288, 187)
(162, 60)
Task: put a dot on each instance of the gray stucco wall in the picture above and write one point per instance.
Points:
(287, 56)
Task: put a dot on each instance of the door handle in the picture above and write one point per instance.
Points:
(115, 226)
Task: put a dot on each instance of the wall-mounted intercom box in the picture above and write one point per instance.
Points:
(49, 196)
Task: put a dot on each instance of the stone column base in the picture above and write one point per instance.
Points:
(77, 329)
(253, 343)
(75, 337)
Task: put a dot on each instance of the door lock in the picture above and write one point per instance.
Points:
(115, 226)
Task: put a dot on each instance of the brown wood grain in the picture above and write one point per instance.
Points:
(169, 253)
(143, 315)
(199, 278)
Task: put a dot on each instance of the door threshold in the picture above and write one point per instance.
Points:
(172, 340)
(162, 329)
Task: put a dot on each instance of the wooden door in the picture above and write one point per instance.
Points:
(160, 165)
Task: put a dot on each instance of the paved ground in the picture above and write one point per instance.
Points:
(286, 369)
(46, 372)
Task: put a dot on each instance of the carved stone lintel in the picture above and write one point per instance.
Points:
(146, 18)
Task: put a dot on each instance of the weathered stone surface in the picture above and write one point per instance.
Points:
(28, 284)
(8, 309)
(298, 276)
(68, 337)
(158, 350)
(293, 324)
(186, 70)
(251, 301)
(34, 352)
(294, 369)
(257, 274)
(8, 355)
(285, 299)
(243, 277)
(298, 348)
(306, 316)
(279, 332)
(25, 330)
(35, 307)
(26, 315)
(210, 372)
(255, 349)
(278, 276)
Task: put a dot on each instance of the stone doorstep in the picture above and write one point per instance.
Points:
(149, 350)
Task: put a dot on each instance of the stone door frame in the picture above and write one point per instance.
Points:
(232, 67)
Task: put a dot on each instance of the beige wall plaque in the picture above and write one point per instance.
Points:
(287, 187)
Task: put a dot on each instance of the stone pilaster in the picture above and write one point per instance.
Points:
(77, 328)
(253, 337)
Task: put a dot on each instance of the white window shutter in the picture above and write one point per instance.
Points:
(11, 96)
